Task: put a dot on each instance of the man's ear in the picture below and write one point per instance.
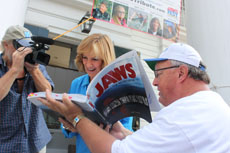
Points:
(183, 72)
(5, 44)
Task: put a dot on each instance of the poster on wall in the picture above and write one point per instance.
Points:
(157, 17)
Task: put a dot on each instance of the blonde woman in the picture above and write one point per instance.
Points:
(93, 54)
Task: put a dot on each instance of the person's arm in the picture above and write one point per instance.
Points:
(119, 131)
(41, 83)
(97, 140)
(7, 80)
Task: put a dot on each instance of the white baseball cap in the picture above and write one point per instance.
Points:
(179, 52)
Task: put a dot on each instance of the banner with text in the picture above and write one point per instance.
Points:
(156, 17)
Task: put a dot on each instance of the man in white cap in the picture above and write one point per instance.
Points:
(22, 126)
(194, 119)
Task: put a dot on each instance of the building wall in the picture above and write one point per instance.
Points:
(208, 23)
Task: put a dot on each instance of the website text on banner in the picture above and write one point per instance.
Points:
(157, 17)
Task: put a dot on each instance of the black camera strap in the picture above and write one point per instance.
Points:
(19, 79)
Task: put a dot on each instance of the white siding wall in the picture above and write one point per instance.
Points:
(208, 31)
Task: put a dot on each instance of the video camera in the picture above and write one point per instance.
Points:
(39, 45)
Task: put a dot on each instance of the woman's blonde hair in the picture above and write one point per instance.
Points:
(97, 44)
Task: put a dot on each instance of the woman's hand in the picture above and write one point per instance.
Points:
(67, 125)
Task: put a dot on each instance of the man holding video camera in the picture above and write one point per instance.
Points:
(22, 126)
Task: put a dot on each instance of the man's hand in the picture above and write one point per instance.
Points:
(18, 58)
(118, 130)
(31, 67)
(68, 109)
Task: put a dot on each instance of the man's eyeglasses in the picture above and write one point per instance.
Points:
(165, 68)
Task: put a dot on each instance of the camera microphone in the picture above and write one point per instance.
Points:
(43, 40)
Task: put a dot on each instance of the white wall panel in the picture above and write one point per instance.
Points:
(208, 31)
